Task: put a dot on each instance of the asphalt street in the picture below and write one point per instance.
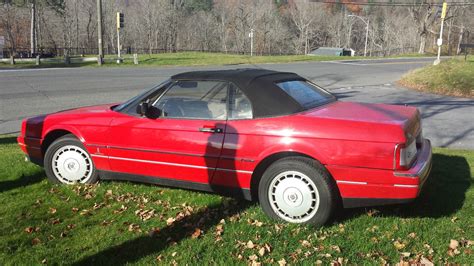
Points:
(448, 121)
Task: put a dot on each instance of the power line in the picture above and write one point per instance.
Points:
(395, 4)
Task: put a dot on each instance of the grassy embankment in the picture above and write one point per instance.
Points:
(452, 77)
(119, 222)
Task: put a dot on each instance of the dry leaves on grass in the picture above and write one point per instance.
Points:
(399, 245)
(134, 228)
(256, 223)
(454, 245)
(121, 209)
(31, 229)
(145, 214)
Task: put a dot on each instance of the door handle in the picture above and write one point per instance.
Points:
(210, 129)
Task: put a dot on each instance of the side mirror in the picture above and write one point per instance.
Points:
(142, 108)
(147, 110)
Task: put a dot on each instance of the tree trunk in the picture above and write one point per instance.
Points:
(461, 35)
(422, 44)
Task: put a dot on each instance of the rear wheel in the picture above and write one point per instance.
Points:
(67, 161)
(298, 190)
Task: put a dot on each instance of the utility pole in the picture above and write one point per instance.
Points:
(251, 41)
(120, 25)
(99, 32)
(440, 39)
(33, 28)
(366, 37)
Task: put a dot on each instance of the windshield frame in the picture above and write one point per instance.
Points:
(131, 103)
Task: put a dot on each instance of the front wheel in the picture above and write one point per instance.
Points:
(298, 190)
(67, 161)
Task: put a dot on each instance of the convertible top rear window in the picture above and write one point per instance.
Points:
(306, 94)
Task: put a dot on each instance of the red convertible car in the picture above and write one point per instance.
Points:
(262, 135)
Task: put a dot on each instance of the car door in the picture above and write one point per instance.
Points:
(185, 140)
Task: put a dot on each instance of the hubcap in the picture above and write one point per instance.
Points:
(72, 164)
(293, 196)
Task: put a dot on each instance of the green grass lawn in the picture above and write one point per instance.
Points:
(119, 222)
(195, 59)
(451, 77)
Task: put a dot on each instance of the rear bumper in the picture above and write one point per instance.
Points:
(361, 187)
(32, 148)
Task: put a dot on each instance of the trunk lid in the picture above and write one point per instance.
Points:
(405, 117)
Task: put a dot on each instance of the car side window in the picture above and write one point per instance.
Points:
(239, 104)
(195, 100)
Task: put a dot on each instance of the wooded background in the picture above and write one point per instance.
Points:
(280, 27)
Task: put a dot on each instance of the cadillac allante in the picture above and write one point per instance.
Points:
(257, 134)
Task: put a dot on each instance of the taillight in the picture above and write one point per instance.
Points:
(405, 155)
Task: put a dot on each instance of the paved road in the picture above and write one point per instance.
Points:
(448, 121)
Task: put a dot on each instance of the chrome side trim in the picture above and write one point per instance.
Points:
(171, 152)
(407, 186)
(167, 163)
(231, 170)
(351, 182)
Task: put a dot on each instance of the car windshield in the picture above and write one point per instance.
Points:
(124, 105)
(305, 93)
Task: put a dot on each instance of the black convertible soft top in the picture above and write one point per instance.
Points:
(259, 85)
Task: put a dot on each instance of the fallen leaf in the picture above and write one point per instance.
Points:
(196, 234)
(412, 235)
(253, 257)
(44, 261)
(74, 209)
(261, 251)
(31, 229)
(336, 248)
(170, 220)
(219, 229)
(134, 228)
(85, 212)
(282, 262)
(35, 241)
(71, 226)
(372, 212)
(425, 262)
(406, 254)
(398, 245)
(121, 209)
(250, 245)
(52, 210)
(174, 254)
(453, 244)
(305, 243)
(268, 247)
(55, 221)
